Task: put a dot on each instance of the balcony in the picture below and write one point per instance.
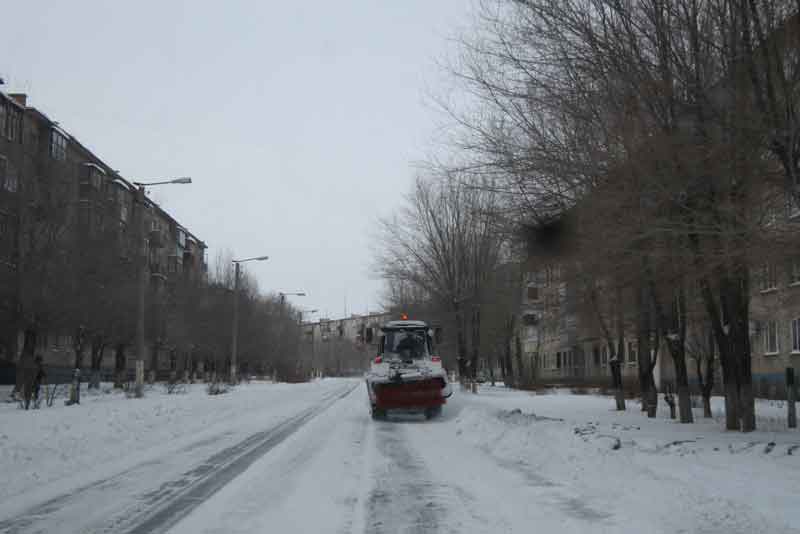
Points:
(156, 239)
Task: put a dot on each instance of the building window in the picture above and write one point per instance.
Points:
(770, 337)
(99, 226)
(632, 354)
(792, 205)
(10, 121)
(596, 353)
(604, 354)
(85, 214)
(58, 145)
(533, 293)
(794, 271)
(181, 239)
(768, 279)
(174, 264)
(95, 178)
(795, 335)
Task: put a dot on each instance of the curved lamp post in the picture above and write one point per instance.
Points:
(141, 281)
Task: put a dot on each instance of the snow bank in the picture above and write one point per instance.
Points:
(641, 471)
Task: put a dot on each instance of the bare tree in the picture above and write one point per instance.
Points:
(443, 242)
(678, 99)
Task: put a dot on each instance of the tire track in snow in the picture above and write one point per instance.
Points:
(157, 510)
(404, 498)
(178, 498)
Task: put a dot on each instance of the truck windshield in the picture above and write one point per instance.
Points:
(405, 344)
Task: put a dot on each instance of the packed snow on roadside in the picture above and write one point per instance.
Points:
(647, 474)
(51, 450)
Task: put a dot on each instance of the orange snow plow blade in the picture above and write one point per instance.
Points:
(413, 394)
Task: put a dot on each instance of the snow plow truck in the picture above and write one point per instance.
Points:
(406, 375)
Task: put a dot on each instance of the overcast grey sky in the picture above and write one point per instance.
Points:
(298, 121)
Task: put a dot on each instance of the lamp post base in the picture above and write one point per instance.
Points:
(234, 378)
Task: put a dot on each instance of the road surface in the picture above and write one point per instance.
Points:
(327, 467)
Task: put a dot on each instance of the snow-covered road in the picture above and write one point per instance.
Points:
(500, 461)
(491, 465)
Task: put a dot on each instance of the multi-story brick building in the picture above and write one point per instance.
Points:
(561, 339)
(51, 184)
(349, 342)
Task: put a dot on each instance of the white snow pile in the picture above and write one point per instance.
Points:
(644, 471)
(109, 432)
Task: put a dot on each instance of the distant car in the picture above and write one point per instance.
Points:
(406, 374)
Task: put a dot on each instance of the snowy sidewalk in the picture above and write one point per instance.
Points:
(634, 474)
(53, 450)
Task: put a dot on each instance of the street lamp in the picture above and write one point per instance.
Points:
(141, 281)
(235, 337)
(181, 180)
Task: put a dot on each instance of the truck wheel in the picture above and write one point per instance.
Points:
(435, 411)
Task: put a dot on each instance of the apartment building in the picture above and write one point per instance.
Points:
(52, 185)
(561, 338)
(349, 342)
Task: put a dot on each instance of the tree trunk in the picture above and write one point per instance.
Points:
(643, 345)
(616, 381)
(119, 366)
(154, 363)
(747, 406)
(707, 406)
(476, 342)
(510, 372)
(678, 352)
(619, 394)
(26, 371)
(461, 343)
(520, 367)
(98, 347)
(490, 362)
(652, 399)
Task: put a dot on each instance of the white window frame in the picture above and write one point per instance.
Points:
(792, 205)
(3, 171)
(768, 279)
(794, 272)
(58, 145)
(771, 334)
(12, 127)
